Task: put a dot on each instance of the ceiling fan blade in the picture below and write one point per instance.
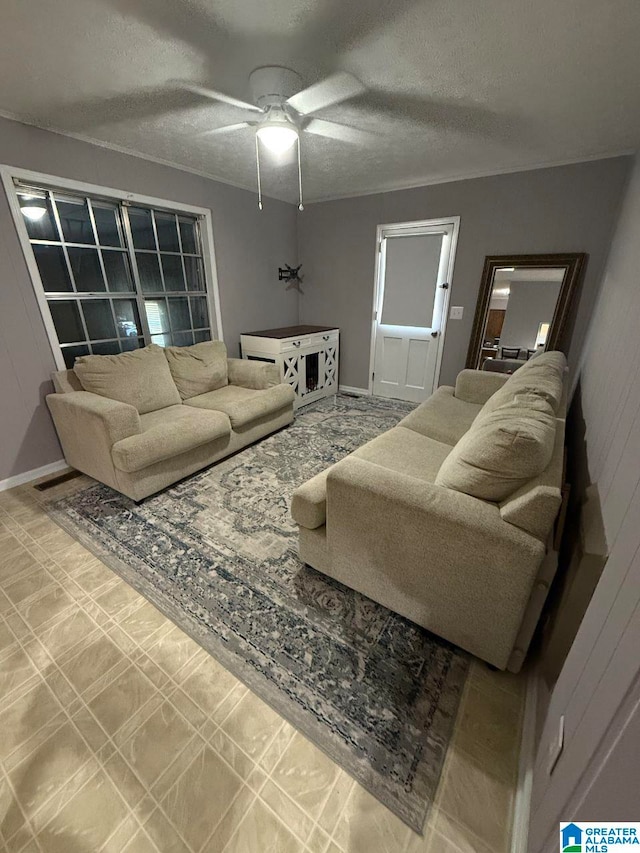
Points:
(341, 132)
(358, 22)
(228, 128)
(217, 96)
(197, 29)
(335, 89)
(148, 104)
(458, 116)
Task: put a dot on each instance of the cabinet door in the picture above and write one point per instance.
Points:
(330, 365)
(292, 363)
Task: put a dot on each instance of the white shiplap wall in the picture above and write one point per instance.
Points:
(603, 661)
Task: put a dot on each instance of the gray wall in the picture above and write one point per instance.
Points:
(612, 792)
(601, 672)
(249, 248)
(530, 303)
(564, 209)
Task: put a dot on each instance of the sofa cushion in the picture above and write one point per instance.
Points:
(442, 417)
(140, 378)
(553, 360)
(65, 381)
(407, 452)
(400, 449)
(534, 506)
(544, 377)
(167, 433)
(199, 368)
(245, 405)
(503, 450)
(476, 386)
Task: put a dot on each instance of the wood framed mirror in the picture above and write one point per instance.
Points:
(524, 305)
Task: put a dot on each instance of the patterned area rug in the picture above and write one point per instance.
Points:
(217, 554)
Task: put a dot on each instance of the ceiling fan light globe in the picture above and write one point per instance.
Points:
(277, 138)
(33, 212)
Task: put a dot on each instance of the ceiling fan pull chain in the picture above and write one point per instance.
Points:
(300, 206)
(258, 169)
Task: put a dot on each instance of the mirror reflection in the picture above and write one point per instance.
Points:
(521, 308)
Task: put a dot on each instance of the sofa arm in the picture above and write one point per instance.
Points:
(441, 558)
(257, 375)
(453, 516)
(476, 386)
(88, 426)
(119, 420)
(309, 502)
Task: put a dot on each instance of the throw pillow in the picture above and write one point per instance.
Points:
(543, 377)
(140, 378)
(501, 453)
(199, 368)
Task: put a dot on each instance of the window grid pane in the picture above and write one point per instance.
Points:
(100, 262)
(40, 226)
(108, 225)
(52, 266)
(117, 270)
(87, 269)
(75, 220)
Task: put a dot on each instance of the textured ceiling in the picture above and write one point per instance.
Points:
(455, 88)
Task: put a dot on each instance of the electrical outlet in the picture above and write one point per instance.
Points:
(555, 747)
(456, 312)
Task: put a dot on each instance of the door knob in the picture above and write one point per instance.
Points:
(434, 334)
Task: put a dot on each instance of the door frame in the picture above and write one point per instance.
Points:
(408, 229)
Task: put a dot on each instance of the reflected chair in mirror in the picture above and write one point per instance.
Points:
(510, 352)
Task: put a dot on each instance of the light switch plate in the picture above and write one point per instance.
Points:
(456, 312)
(555, 747)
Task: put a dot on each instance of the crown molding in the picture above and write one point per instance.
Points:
(418, 183)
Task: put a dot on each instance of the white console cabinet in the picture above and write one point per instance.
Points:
(306, 355)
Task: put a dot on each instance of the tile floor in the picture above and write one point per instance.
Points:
(119, 733)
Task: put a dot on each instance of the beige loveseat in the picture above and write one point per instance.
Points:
(448, 517)
(144, 419)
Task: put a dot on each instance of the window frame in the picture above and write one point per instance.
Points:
(9, 174)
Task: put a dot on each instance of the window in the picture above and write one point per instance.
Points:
(116, 276)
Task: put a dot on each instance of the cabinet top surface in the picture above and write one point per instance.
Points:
(291, 331)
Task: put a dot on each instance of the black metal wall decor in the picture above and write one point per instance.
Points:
(290, 273)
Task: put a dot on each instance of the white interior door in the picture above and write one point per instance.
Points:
(415, 263)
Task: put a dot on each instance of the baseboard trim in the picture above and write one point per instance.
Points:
(35, 474)
(522, 803)
(359, 392)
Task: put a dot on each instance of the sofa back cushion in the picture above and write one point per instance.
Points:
(140, 378)
(65, 382)
(503, 451)
(199, 368)
(542, 377)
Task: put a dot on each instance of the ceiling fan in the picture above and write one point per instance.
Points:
(287, 110)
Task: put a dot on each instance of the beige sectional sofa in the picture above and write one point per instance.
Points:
(142, 420)
(448, 517)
